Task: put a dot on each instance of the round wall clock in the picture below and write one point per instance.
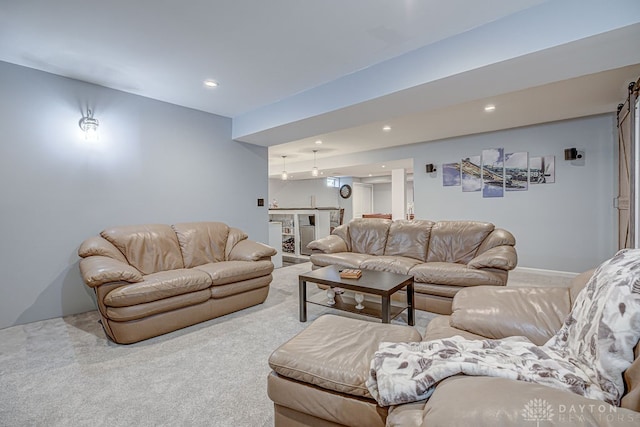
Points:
(345, 191)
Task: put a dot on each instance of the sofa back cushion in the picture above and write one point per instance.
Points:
(149, 248)
(369, 235)
(457, 241)
(235, 235)
(409, 239)
(202, 242)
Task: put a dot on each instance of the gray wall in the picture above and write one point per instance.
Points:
(297, 193)
(154, 163)
(382, 196)
(567, 226)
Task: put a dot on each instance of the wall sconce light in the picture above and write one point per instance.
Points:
(89, 126)
(314, 171)
(284, 176)
(572, 154)
(430, 167)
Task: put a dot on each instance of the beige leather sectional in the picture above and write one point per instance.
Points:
(153, 279)
(443, 257)
(318, 377)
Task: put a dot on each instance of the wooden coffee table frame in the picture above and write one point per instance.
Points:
(380, 283)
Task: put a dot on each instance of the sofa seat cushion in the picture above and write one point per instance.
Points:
(225, 272)
(335, 352)
(447, 291)
(342, 259)
(157, 286)
(223, 291)
(140, 311)
(392, 264)
(447, 273)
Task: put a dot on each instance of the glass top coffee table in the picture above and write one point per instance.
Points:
(380, 283)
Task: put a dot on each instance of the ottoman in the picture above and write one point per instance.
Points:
(319, 376)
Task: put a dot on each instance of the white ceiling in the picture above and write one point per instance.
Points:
(286, 68)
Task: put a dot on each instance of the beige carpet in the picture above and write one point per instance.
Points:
(64, 372)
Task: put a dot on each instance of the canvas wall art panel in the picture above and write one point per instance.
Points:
(542, 170)
(493, 172)
(516, 176)
(470, 174)
(451, 174)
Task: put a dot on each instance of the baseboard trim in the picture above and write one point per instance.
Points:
(543, 272)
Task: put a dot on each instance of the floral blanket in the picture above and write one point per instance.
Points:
(586, 356)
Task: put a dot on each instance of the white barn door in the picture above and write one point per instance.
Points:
(628, 176)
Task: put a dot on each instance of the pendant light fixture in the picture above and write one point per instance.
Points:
(314, 171)
(285, 176)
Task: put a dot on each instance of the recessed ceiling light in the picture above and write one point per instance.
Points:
(386, 128)
(384, 166)
(318, 142)
(370, 174)
(489, 108)
(211, 83)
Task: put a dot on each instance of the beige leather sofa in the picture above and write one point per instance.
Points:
(153, 279)
(443, 257)
(318, 377)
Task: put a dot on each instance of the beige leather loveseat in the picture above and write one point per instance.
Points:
(443, 257)
(153, 279)
(318, 377)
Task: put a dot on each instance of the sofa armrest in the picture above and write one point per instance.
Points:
(97, 270)
(329, 245)
(98, 245)
(535, 313)
(501, 257)
(490, 402)
(248, 250)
